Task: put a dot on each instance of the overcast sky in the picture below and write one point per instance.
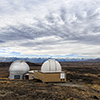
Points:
(61, 28)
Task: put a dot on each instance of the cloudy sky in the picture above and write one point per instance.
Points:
(42, 28)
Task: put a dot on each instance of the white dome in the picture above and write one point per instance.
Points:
(51, 65)
(20, 66)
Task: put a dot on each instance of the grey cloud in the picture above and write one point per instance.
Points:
(63, 14)
(50, 18)
(14, 33)
(81, 29)
(44, 43)
(2, 41)
(93, 40)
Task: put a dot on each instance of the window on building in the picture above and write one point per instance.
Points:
(62, 75)
(16, 76)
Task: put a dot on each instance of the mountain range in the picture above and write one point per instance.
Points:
(41, 60)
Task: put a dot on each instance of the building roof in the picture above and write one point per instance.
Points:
(20, 66)
(31, 71)
(51, 65)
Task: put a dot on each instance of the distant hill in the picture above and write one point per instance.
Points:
(94, 60)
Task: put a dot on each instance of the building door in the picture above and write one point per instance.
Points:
(26, 77)
(16, 76)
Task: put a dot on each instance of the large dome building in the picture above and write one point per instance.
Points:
(51, 65)
(51, 71)
(18, 69)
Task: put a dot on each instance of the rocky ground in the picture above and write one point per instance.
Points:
(83, 83)
(33, 90)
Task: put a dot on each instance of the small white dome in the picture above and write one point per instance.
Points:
(51, 65)
(20, 66)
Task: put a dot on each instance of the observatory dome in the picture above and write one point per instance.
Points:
(51, 65)
(19, 65)
(18, 69)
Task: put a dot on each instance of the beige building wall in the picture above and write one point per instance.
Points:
(49, 77)
(38, 75)
(31, 76)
